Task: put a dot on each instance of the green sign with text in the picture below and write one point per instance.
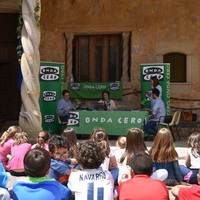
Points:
(114, 122)
(90, 90)
(51, 86)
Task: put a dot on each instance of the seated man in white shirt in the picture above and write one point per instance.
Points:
(157, 110)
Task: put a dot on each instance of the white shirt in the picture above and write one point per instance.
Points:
(91, 184)
(195, 162)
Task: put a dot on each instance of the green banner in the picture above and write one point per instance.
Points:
(88, 90)
(162, 71)
(51, 86)
(114, 122)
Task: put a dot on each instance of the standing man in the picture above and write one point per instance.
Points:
(158, 110)
(64, 106)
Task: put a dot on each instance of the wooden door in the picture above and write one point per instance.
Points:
(97, 58)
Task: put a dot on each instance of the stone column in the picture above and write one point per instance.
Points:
(126, 37)
(69, 48)
(30, 116)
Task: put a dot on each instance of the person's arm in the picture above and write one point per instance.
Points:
(112, 105)
(175, 190)
(60, 108)
(187, 161)
(113, 163)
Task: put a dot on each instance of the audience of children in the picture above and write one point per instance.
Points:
(95, 159)
(134, 144)
(70, 135)
(100, 136)
(4, 195)
(42, 140)
(190, 192)
(6, 141)
(18, 150)
(37, 163)
(192, 162)
(91, 182)
(141, 186)
(60, 163)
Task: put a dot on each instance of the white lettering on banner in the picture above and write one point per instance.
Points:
(95, 119)
(133, 120)
(94, 86)
(120, 120)
(103, 119)
(110, 120)
(100, 86)
(87, 120)
(89, 87)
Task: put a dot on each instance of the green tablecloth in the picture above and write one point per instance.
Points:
(114, 122)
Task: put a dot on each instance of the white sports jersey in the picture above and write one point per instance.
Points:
(91, 184)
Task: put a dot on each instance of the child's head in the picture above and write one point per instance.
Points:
(58, 147)
(121, 142)
(20, 138)
(135, 141)
(89, 154)
(37, 162)
(42, 138)
(134, 144)
(10, 133)
(163, 148)
(71, 136)
(99, 135)
(194, 140)
(141, 163)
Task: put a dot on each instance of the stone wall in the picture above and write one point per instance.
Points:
(157, 27)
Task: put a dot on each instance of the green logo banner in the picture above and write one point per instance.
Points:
(51, 86)
(114, 122)
(87, 90)
(162, 71)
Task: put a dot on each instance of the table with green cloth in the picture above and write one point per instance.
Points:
(114, 122)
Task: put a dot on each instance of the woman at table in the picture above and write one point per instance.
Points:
(154, 84)
(108, 103)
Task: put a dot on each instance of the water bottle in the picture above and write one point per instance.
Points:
(108, 107)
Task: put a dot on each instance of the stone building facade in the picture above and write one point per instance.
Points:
(154, 28)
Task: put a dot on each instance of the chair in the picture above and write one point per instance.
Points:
(175, 121)
(63, 125)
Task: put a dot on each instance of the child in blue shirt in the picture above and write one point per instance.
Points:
(4, 195)
(60, 163)
(36, 165)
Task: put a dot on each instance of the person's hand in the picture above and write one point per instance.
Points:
(65, 110)
(147, 92)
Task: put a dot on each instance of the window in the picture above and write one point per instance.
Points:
(177, 66)
(97, 58)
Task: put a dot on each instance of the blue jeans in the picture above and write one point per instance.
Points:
(64, 118)
(173, 169)
(193, 177)
(150, 127)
